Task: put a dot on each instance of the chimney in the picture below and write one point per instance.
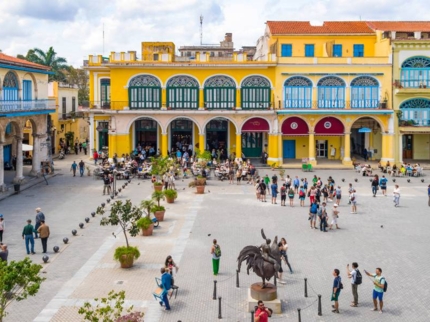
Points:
(228, 37)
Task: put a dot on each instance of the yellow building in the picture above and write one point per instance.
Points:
(312, 92)
(69, 124)
(410, 42)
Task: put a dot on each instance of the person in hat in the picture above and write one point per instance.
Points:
(1, 227)
(334, 216)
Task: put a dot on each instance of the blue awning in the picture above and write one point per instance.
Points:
(364, 130)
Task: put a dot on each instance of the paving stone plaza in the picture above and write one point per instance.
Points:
(379, 235)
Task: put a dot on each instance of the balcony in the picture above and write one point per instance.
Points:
(334, 60)
(105, 105)
(24, 106)
(415, 122)
(370, 104)
(406, 86)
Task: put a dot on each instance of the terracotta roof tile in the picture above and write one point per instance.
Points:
(406, 26)
(17, 61)
(328, 27)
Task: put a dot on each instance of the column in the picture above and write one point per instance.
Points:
(238, 144)
(280, 151)
(311, 144)
(238, 99)
(2, 185)
(347, 149)
(387, 148)
(164, 148)
(273, 150)
(400, 150)
(164, 97)
(112, 144)
(19, 160)
(35, 168)
(91, 144)
(202, 143)
(201, 98)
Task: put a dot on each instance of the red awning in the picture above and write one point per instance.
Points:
(329, 126)
(294, 126)
(256, 124)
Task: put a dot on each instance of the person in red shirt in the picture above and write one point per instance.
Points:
(95, 157)
(262, 314)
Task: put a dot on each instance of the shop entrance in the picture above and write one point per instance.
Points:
(321, 149)
(252, 144)
(181, 134)
(146, 134)
(217, 135)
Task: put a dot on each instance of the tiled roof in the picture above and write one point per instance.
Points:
(6, 59)
(406, 26)
(328, 27)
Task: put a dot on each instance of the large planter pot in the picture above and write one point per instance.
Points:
(148, 231)
(170, 200)
(127, 261)
(200, 190)
(160, 215)
(158, 188)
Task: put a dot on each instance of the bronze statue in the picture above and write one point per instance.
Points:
(265, 260)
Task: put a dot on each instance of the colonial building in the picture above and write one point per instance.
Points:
(410, 43)
(312, 92)
(24, 109)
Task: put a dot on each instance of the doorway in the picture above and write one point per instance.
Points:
(217, 135)
(252, 144)
(182, 134)
(322, 148)
(408, 151)
(146, 133)
(289, 149)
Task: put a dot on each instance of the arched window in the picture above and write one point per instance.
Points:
(416, 111)
(220, 92)
(182, 93)
(364, 92)
(331, 92)
(10, 87)
(255, 92)
(416, 72)
(144, 91)
(298, 92)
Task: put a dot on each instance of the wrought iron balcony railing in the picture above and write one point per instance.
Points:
(22, 106)
(333, 104)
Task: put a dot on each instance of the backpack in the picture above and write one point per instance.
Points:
(358, 277)
(217, 251)
(385, 285)
(301, 193)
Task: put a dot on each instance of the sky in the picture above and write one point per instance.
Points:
(75, 27)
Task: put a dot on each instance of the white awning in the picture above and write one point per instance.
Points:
(26, 147)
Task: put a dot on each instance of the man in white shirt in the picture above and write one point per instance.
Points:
(352, 274)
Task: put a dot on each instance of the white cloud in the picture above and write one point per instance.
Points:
(74, 27)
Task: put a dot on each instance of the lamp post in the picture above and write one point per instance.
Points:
(114, 183)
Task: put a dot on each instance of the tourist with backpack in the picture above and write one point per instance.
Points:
(216, 255)
(322, 214)
(338, 194)
(302, 195)
(383, 184)
(283, 195)
(356, 279)
(337, 286)
(313, 210)
(291, 196)
(380, 286)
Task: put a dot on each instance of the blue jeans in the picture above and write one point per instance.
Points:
(374, 189)
(29, 240)
(166, 301)
(81, 171)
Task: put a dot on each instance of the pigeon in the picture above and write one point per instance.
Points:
(138, 183)
(209, 191)
(182, 180)
(382, 226)
(209, 234)
(183, 189)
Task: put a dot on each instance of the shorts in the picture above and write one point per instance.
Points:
(378, 295)
(338, 197)
(383, 187)
(335, 296)
(334, 221)
(313, 216)
(283, 198)
(302, 198)
(296, 187)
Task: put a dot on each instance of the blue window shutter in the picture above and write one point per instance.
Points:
(8, 128)
(27, 92)
(358, 50)
(309, 51)
(286, 50)
(337, 50)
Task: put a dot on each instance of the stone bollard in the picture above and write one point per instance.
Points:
(306, 287)
(214, 297)
(219, 308)
(319, 305)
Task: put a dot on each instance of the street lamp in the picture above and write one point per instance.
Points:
(114, 183)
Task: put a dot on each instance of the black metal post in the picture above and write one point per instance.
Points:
(319, 305)
(214, 297)
(300, 317)
(274, 280)
(237, 278)
(219, 308)
(252, 316)
(306, 287)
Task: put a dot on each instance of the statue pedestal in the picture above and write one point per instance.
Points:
(268, 295)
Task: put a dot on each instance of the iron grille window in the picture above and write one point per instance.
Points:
(220, 92)
(26, 90)
(255, 92)
(105, 92)
(416, 110)
(298, 92)
(73, 104)
(364, 92)
(331, 92)
(182, 93)
(144, 92)
(10, 87)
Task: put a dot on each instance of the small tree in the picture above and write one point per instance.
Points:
(158, 196)
(18, 280)
(147, 205)
(160, 165)
(110, 309)
(125, 215)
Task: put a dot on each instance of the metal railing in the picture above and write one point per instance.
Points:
(332, 104)
(412, 82)
(34, 105)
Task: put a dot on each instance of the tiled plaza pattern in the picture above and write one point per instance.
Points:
(380, 235)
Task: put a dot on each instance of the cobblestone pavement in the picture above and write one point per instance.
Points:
(380, 235)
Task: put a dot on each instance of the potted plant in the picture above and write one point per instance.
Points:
(126, 216)
(158, 210)
(199, 183)
(171, 195)
(160, 165)
(158, 186)
(145, 223)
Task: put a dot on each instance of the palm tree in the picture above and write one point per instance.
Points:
(58, 64)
